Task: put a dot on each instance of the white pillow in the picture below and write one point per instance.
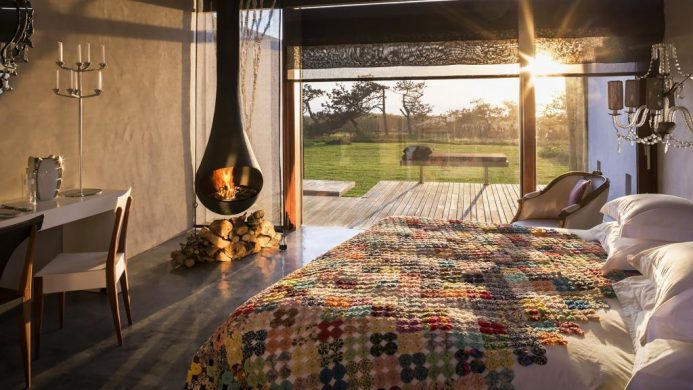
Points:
(652, 217)
(672, 320)
(604, 233)
(619, 248)
(670, 267)
(663, 364)
(636, 295)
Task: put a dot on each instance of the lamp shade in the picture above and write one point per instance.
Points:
(615, 95)
(632, 93)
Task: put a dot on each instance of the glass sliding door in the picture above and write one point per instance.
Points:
(561, 123)
(387, 108)
(437, 148)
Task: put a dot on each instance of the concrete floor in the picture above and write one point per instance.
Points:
(174, 312)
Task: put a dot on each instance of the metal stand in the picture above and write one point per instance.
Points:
(77, 93)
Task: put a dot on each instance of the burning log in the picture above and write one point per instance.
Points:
(227, 240)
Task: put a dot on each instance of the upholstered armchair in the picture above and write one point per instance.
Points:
(564, 203)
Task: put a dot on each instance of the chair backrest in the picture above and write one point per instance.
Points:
(119, 234)
(122, 242)
(10, 238)
(558, 191)
(563, 184)
(599, 184)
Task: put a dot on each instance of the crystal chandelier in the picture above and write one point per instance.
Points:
(659, 110)
(16, 29)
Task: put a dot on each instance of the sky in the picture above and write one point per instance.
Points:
(446, 95)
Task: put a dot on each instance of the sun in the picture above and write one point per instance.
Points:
(544, 64)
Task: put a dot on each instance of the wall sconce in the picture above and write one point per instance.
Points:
(16, 29)
(660, 109)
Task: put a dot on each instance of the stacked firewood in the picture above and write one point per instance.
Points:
(227, 240)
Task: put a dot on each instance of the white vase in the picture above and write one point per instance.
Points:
(48, 176)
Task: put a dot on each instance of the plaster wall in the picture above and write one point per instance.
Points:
(137, 134)
(675, 173)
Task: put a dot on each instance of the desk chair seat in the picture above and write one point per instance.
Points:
(78, 271)
(86, 271)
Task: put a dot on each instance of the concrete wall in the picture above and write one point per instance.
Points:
(603, 145)
(675, 173)
(137, 134)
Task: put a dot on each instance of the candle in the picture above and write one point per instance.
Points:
(615, 89)
(72, 80)
(103, 54)
(632, 93)
(60, 51)
(79, 53)
(89, 52)
(57, 79)
(100, 84)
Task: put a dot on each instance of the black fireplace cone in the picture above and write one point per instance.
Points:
(228, 180)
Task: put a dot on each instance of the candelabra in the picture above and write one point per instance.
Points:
(76, 91)
(660, 109)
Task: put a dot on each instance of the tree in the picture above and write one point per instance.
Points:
(308, 95)
(321, 122)
(348, 105)
(381, 107)
(413, 108)
(552, 123)
(484, 120)
(344, 105)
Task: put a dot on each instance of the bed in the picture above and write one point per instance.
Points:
(422, 303)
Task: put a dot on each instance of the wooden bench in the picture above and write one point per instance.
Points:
(485, 160)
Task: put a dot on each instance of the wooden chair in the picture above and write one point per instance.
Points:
(87, 271)
(10, 238)
(549, 208)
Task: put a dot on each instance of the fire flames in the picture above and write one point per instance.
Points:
(224, 187)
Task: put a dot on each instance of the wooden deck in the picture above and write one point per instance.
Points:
(493, 203)
(326, 187)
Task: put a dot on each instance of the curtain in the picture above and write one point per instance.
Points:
(265, 132)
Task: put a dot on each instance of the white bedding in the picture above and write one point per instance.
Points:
(601, 359)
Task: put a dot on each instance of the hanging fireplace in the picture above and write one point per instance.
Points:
(228, 180)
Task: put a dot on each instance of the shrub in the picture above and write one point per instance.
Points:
(558, 153)
(364, 136)
(338, 139)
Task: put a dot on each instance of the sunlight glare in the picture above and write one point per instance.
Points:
(544, 64)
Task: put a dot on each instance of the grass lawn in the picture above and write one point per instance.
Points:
(368, 163)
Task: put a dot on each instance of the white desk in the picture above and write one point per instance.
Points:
(69, 225)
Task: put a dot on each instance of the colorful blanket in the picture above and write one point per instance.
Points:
(411, 302)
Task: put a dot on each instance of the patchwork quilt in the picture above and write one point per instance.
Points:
(411, 303)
